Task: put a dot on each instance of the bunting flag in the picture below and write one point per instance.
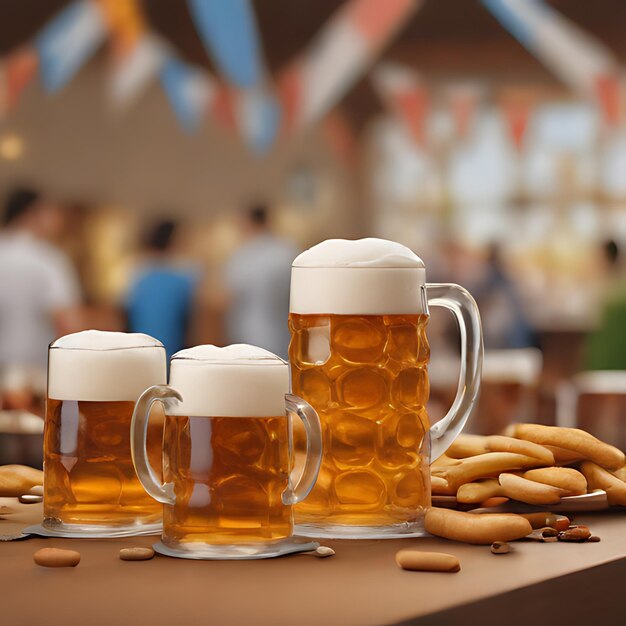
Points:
(68, 41)
(190, 92)
(517, 107)
(138, 56)
(573, 56)
(125, 23)
(404, 93)
(16, 72)
(609, 96)
(230, 35)
(132, 73)
(463, 100)
(339, 56)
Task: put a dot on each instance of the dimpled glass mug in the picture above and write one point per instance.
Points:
(90, 485)
(359, 356)
(227, 454)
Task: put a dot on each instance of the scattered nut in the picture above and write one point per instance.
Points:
(594, 538)
(536, 535)
(541, 520)
(28, 498)
(500, 547)
(56, 557)
(415, 560)
(575, 533)
(37, 490)
(548, 531)
(324, 551)
(136, 554)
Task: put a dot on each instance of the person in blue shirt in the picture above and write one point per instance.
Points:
(162, 295)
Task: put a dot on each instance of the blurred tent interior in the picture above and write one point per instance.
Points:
(486, 148)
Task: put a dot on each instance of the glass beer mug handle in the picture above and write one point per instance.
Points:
(459, 301)
(313, 429)
(168, 397)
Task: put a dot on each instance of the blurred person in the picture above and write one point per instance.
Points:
(257, 278)
(505, 325)
(162, 295)
(39, 293)
(606, 346)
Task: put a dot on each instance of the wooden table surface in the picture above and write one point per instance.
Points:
(360, 585)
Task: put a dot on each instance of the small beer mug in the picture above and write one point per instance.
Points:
(90, 485)
(227, 454)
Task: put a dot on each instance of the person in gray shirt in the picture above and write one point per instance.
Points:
(39, 291)
(257, 280)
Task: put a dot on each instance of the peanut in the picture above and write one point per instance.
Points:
(500, 547)
(416, 560)
(575, 533)
(136, 554)
(55, 557)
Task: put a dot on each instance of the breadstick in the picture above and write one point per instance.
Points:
(439, 486)
(477, 492)
(574, 439)
(473, 445)
(599, 478)
(467, 445)
(16, 480)
(482, 528)
(483, 466)
(568, 479)
(444, 460)
(563, 456)
(620, 473)
(528, 491)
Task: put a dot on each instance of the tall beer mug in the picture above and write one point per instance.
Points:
(227, 454)
(90, 485)
(359, 356)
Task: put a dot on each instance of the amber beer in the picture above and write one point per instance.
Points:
(90, 484)
(370, 389)
(229, 474)
(359, 355)
(227, 453)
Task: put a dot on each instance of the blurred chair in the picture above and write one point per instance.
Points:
(509, 390)
(21, 438)
(508, 393)
(596, 402)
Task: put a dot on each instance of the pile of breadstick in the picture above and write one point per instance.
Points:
(531, 463)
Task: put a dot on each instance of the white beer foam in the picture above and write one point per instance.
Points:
(369, 252)
(101, 366)
(357, 277)
(235, 381)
